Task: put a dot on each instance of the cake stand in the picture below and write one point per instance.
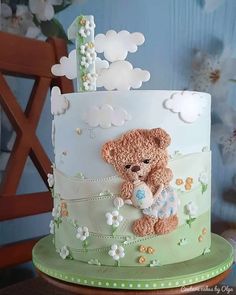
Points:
(192, 275)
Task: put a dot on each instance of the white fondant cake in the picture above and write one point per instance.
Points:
(85, 186)
(131, 179)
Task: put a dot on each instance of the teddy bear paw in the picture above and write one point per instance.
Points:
(144, 226)
(166, 225)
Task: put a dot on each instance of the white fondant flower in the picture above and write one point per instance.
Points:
(52, 227)
(59, 103)
(106, 116)
(114, 218)
(117, 45)
(82, 233)
(189, 105)
(88, 49)
(84, 32)
(191, 209)
(56, 212)
(43, 9)
(122, 76)
(88, 85)
(64, 252)
(86, 61)
(118, 202)
(212, 73)
(117, 252)
(50, 180)
(89, 25)
(203, 178)
(90, 81)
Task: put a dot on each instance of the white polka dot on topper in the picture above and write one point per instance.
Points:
(116, 46)
(105, 116)
(122, 76)
(189, 105)
(59, 103)
(66, 67)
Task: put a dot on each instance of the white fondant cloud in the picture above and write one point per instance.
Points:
(100, 65)
(105, 116)
(117, 45)
(59, 103)
(121, 76)
(66, 67)
(188, 105)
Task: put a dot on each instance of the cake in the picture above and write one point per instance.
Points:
(131, 181)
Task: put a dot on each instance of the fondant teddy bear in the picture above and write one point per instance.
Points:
(140, 158)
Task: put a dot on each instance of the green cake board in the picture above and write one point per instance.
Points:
(185, 273)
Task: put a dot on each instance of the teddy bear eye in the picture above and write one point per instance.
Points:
(127, 166)
(146, 161)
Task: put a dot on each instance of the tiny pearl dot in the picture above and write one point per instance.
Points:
(202, 277)
(154, 285)
(131, 285)
(184, 282)
(196, 279)
(138, 285)
(162, 284)
(99, 283)
(146, 285)
(72, 279)
(92, 282)
(122, 285)
(169, 284)
(66, 277)
(115, 284)
(176, 283)
(107, 284)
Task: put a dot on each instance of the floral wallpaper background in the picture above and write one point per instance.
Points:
(190, 44)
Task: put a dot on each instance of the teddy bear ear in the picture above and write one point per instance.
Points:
(161, 137)
(108, 151)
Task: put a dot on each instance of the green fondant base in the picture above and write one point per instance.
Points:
(189, 272)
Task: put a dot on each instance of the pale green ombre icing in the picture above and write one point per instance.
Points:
(90, 212)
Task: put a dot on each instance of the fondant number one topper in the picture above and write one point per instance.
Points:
(82, 31)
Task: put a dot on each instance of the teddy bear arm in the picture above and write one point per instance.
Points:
(158, 177)
(127, 190)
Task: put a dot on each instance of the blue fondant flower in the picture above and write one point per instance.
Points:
(140, 194)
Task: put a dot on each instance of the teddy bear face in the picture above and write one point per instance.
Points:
(137, 152)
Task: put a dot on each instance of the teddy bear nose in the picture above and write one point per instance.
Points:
(135, 168)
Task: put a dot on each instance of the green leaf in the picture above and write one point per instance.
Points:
(53, 28)
(190, 221)
(36, 21)
(204, 188)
